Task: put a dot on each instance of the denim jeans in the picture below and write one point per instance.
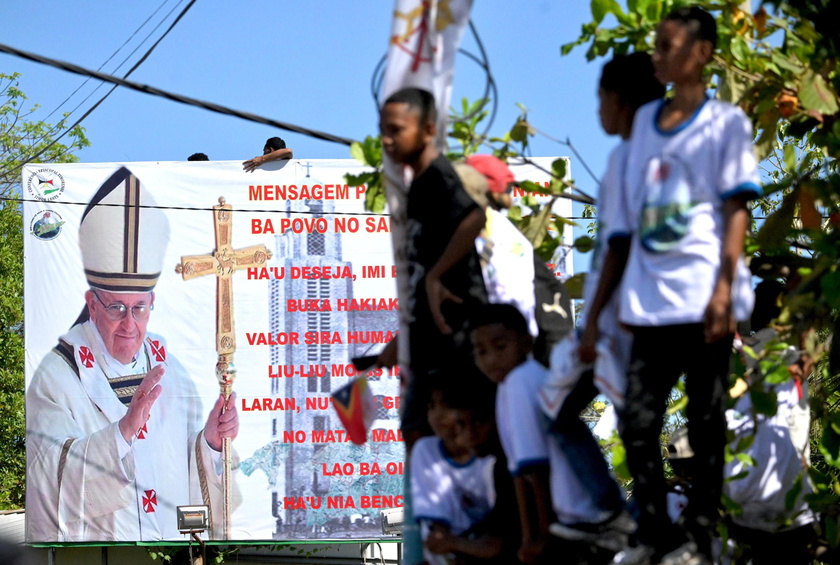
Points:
(582, 449)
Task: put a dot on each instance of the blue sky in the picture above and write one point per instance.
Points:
(304, 62)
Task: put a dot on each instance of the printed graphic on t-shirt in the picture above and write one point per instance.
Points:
(666, 212)
(473, 503)
(415, 269)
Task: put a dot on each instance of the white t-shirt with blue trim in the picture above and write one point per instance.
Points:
(675, 185)
(610, 209)
(526, 443)
(454, 494)
(614, 342)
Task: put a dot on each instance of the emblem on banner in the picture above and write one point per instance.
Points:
(158, 350)
(45, 184)
(149, 501)
(86, 357)
(46, 225)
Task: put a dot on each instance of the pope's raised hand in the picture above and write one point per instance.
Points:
(141, 403)
(222, 424)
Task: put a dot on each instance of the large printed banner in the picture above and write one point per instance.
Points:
(325, 296)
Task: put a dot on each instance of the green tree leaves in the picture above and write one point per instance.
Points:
(817, 95)
(20, 139)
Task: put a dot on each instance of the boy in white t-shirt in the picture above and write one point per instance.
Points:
(690, 172)
(543, 480)
(451, 488)
(627, 82)
(778, 527)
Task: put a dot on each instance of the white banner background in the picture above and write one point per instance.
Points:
(280, 475)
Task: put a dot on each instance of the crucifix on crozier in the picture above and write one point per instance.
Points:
(223, 263)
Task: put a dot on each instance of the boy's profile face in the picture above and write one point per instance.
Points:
(678, 58)
(609, 107)
(478, 432)
(448, 424)
(403, 137)
(497, 350)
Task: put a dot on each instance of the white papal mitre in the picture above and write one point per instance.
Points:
(123, 236)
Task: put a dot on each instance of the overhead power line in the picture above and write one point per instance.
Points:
(114, 54)
(107, 94)
(147, 89)
(198, 208)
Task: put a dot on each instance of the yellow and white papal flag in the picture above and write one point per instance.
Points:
(425, 35)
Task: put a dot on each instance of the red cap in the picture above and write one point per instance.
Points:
(499, 176)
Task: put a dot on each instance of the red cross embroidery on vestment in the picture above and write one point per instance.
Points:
(149, 501)
(159, 351)
(86, 357)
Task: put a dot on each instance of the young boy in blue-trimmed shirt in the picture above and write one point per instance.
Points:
(691, 170)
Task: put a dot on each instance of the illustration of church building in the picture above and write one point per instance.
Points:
(316, 367)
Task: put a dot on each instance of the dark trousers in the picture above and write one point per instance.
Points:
(582, 449)
(791, 547)
(659, 357)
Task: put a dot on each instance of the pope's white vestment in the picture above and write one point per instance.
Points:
(84, 481)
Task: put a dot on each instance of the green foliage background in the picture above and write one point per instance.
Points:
(20, 139)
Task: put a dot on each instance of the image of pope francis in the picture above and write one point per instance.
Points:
(116, 436)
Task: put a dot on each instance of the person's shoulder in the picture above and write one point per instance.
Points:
(442, 165)
(527, 372)
(532, 367)
(439, 183)
(439, 169)
(644, 124)
(158, 350)
(427, 451)
(650, 108)
(55, 361)
(722, 107)
(646, 114)
(57, 375)
(428, 445)
(425, 442)
(619, 153)
(725, 113)
(63, 356)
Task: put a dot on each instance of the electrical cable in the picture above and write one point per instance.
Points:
(197, 209)
(490, 94)
(568, 143)
(86, 72)
(582, 197)
(55, 128)
(490, 90)
(491, 82)
(114, 54)
(140, 87)
(79, 105)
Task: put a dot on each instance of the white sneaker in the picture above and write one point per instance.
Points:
(621, 522)
(595, 534)
(686, 554)
(573, 532)
(611, 540)
(639, 555)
